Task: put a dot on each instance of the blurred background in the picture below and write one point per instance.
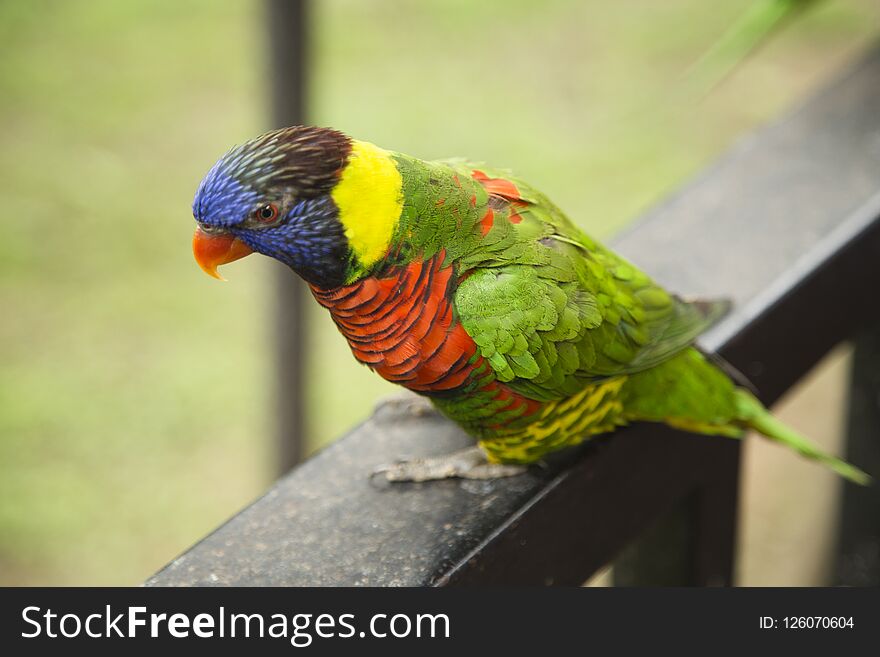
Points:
(136, 394)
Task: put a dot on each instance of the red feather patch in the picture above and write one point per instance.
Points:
(487, 221)
(497, 186)
(503, 189)
(403, 327)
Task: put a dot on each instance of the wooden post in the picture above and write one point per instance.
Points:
(858, 561)
(694, 543)
(288, 30)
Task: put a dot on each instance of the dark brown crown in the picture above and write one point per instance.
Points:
(307, 161)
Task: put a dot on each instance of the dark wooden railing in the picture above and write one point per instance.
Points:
(788, 225)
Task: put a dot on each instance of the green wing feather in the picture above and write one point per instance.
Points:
(553, 310)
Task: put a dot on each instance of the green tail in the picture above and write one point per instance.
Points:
(753, 414)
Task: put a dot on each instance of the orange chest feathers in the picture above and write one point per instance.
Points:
(402, 326)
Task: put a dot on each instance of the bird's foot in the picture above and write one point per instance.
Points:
(469, 463)
(408, 403)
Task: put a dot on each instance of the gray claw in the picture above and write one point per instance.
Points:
(469, 463)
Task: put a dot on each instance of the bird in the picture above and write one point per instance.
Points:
(469, 287)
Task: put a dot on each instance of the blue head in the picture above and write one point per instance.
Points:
(273, 195)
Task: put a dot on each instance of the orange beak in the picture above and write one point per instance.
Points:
(214, 249)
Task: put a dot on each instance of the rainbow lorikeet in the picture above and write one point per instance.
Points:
(468, 286)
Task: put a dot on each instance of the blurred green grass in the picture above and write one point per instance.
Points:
(135, 399)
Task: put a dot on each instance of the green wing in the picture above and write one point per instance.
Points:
(562, 311)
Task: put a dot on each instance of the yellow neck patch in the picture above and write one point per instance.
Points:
(369, 196)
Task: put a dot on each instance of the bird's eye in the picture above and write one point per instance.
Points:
(266, 213)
